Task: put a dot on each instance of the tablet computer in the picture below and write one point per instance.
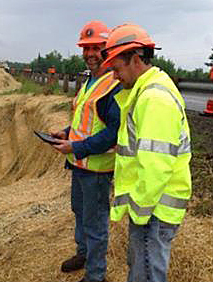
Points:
(46, 137)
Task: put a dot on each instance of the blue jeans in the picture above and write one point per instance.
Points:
(90, 203)
(149, 250)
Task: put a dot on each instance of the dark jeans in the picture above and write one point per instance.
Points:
(90, 203)
(149, 250)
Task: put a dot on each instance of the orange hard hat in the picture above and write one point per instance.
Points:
(92, 33)
(126, 37)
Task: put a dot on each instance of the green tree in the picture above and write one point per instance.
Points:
(73, 65)
(178, 74)
(39, 64)
(198, 74)
(195, 75)
(166, 65)
(54, 58)
(18, 66)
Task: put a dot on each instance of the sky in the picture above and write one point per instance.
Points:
(182, 28)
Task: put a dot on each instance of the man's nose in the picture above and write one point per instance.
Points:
(90, 51)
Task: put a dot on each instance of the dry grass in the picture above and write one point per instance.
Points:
(7, 82)
(37, 228)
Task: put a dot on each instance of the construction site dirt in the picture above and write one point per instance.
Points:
(37, 226)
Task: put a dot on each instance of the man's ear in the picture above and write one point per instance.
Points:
(136, 59)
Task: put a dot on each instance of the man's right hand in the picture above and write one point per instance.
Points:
(60, 135)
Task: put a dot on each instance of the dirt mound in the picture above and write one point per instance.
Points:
(7, 82)
(22, 153)
(37, 228)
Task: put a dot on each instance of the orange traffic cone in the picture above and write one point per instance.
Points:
(209, 108)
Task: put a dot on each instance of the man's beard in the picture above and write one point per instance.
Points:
(94, 65)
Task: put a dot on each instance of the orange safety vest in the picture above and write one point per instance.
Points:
(86, 122)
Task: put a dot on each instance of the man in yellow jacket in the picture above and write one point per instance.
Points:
(152, 176)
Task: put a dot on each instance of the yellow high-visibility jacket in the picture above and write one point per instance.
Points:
(152, 173)
(86, 122)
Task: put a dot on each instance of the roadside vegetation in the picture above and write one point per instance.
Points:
(29, 86)
(75, 64)
(201, 164)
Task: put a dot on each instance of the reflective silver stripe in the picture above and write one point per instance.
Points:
(185, 146)
(121, 200)
(141, 211)
(153, 145)
(111, 150)
(163, 88)
(126, 199)
(126, 39)
(91, 109)
(79, 133)
(124, 151)
(130, 150)
(173, 202)
(157, 146)
(89, 124)
(165, 200)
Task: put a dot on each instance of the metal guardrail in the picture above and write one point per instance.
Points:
(204, 87)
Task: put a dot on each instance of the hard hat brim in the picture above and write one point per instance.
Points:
(82, 43)
(118, 50)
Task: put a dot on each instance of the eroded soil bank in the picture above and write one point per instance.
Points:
(37, 228)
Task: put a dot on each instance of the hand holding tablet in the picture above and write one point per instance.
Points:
(46, 137)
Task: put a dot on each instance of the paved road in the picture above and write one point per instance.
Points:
(196, 101)
(205, 86)
(196, 94)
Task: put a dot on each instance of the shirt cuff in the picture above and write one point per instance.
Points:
(79, 150)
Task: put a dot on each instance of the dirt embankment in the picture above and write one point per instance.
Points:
(37, 228)
(22, 153)
(7, 82)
